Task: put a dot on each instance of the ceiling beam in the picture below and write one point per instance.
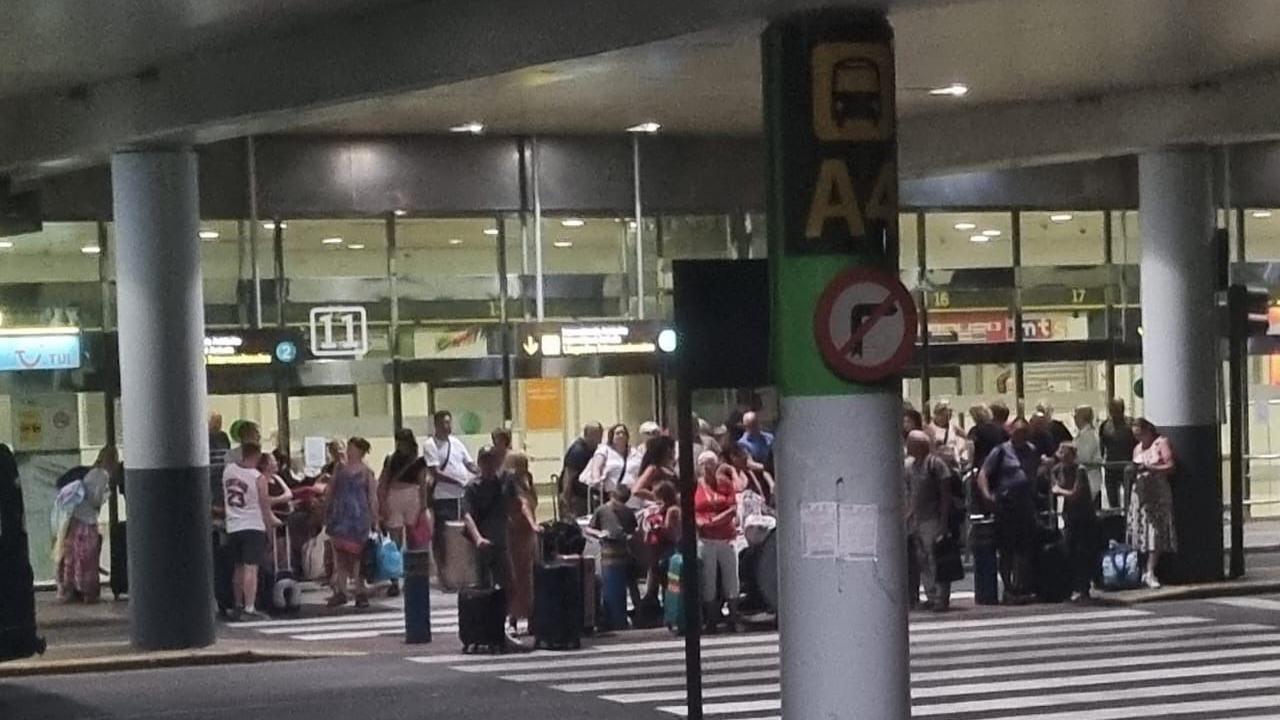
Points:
(274, 82)
(1229, 110)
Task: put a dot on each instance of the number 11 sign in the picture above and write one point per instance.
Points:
(339, 331)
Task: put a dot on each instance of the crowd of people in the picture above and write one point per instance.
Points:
(1031, 476)
(624, 493)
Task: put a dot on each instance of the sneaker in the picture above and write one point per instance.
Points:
(394, 590)
(1151, 582)
(233, 615)
(362, 603)
(250, 614)
(336, 601)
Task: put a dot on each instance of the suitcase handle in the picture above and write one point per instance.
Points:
(288, 548)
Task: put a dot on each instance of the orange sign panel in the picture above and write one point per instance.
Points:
(544, 404)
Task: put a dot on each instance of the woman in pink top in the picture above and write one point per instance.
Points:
(1151, 508)
(715, 508)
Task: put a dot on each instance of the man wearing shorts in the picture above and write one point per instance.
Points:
(451, 470)
(248, 518)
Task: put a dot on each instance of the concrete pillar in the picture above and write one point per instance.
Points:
(162, 383)
(1179, 346)
(832, 144)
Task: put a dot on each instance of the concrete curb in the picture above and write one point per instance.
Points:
(1191, 592)
(158, 660)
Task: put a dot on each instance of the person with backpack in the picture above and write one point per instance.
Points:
(81, 543)
(928, 512)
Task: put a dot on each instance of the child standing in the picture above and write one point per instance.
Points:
(613, 524)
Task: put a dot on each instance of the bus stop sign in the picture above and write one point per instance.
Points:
(865, 325)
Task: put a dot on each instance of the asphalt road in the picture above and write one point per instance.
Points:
(1188, 660)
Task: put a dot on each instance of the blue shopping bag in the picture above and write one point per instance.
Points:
(390, 564)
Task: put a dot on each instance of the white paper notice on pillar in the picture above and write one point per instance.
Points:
(47, 421)
(840, 531)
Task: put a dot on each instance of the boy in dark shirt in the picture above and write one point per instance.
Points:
(613, 524)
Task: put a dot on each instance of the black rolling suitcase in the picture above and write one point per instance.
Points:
(119, 560)
(224, 567)
(1053, 574)
(482, 619)
(558, 608)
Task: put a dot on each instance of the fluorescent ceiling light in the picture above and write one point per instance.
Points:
(979, 239)
(991, 233)
(6, 244)
(573, 222)
(455, 241)
(90, 249)
(955, 89)
(1262, 214)
(356, 246)
(1061, 217)
(474, 127)
(563, 243)
(332, 241)
(209, 235)
(400, 213)
(269, 225)
(964, 226)
(491, 231)
(645, 127)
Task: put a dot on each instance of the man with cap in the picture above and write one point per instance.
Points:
(949, 441)
(648, 431)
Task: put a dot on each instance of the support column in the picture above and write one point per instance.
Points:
(1179, 347)
(162, 381)
(831, 134)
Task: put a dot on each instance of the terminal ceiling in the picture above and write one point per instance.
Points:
(1102, 76)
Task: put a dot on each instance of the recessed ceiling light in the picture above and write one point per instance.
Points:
(1262, 214)
(209, 235)
(455, 241)
(269, 225)
(5, 245)
(473, 127)
(356, 246)
(90, 249)
(400, 213)
(965, 226)
(563, 243)
(979, 239)
(955, 89)
(991, 233)
(573, 222)
(491, 231)
(645, 127)
(1061, 217)
(332, 241)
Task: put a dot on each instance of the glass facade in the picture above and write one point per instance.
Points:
(1033, 304)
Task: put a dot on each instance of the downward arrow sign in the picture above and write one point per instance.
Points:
(530, 345)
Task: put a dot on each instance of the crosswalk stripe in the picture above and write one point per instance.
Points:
(1248, 603)
(996, 622)
(1050, 630)
(376, 625)
(319, 620)
(715, 692)
(987, 671)
(981, 646)
(1095, 696)
(626, 660)
(676, 679)
(710, 666)
(364, 634)
(746, 639)
(1107, 678)
(727, 708)
(1210, 639)
(1146, 711)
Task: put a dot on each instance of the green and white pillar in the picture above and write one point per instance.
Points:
(842, 328)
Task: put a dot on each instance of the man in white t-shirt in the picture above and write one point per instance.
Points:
(451, 469)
